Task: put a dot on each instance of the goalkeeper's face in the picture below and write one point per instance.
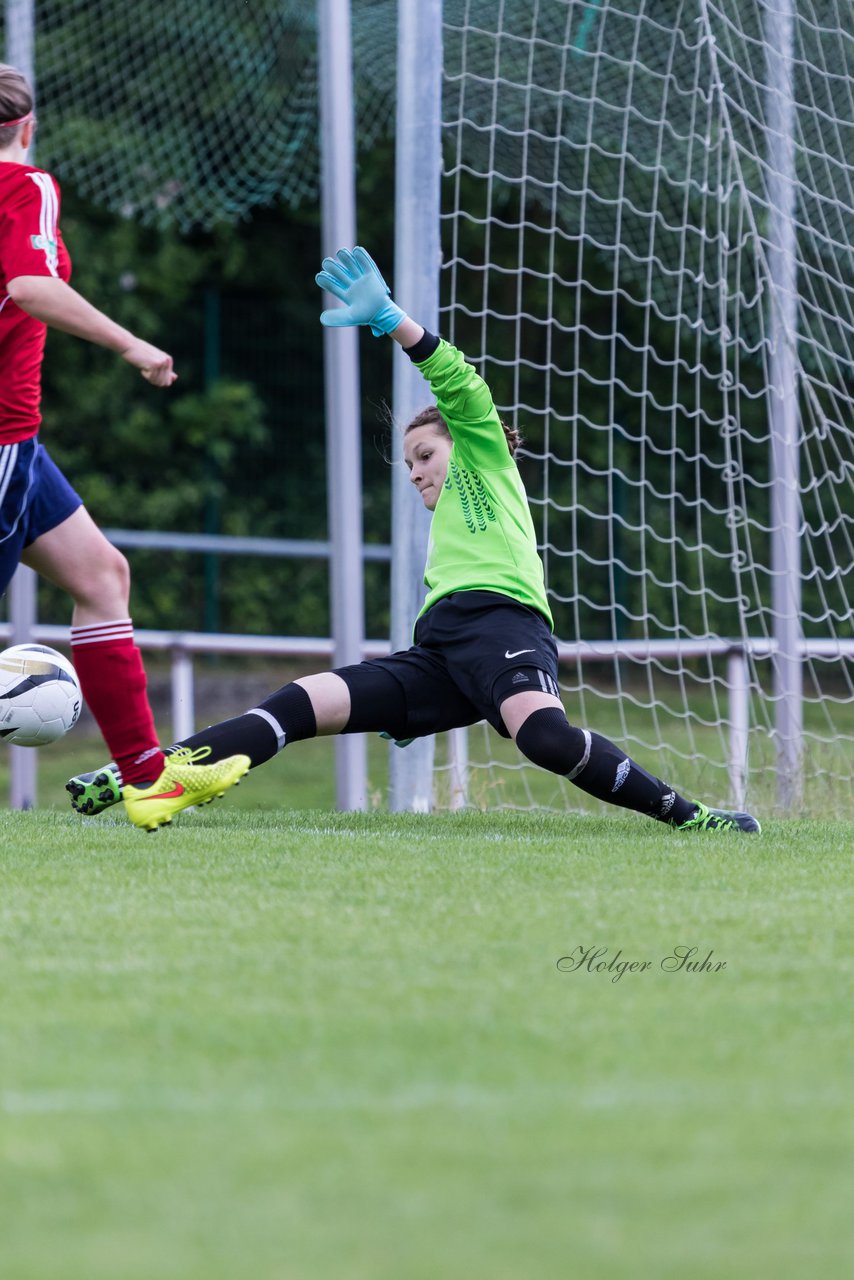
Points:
(426, 452)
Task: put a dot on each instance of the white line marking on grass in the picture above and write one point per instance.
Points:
(65, 1101)
(398, 833)
(416, 1097)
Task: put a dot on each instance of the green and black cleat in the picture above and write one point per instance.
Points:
(706, 819)
(92, 793)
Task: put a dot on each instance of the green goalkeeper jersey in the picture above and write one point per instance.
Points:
(482, 535)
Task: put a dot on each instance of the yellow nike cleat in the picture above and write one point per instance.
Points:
(182, 783)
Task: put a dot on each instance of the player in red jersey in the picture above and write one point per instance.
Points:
(43, 522)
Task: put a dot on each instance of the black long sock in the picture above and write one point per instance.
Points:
(286, 716)
(596, 765)
(613, 776)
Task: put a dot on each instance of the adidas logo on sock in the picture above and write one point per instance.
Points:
(622, 773)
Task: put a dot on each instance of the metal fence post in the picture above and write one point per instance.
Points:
(417, 259)
(786, 513)
(739, 721)
(341, 375)
(22, 760)
(183, 695)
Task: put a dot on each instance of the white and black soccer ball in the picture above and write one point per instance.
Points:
(40, 695)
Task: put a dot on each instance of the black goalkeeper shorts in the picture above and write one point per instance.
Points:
(472, 650)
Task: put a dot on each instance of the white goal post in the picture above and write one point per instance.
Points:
(647, 229)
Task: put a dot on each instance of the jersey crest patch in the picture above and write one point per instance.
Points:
(44, 243)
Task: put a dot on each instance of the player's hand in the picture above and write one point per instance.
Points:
(154, 365)
(354, 278)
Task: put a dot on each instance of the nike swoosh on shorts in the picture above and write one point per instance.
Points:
(508, 654)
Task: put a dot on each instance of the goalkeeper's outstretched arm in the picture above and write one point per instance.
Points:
(464, 401)
(355, 280)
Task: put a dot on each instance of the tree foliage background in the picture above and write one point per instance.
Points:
(189, 173)
(237, 446)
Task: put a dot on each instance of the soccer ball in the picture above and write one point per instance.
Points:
(40, 696)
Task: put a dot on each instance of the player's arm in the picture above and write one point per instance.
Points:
(408, 333)
(56, 304)
(464, 399)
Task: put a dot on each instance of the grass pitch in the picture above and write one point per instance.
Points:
(300, 1046)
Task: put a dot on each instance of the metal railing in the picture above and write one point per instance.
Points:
(182, 646)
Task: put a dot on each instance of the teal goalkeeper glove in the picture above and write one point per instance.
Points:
(354, 279)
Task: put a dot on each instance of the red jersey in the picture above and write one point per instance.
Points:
(30, 245)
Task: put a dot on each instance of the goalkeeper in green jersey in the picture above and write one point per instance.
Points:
(483, 644)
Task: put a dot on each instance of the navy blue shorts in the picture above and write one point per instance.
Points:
(34, 498)
(472, 650)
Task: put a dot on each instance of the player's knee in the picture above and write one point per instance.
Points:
(329, 699)
(104, 582)
(377, 701)
(550, 741)
(118, 570)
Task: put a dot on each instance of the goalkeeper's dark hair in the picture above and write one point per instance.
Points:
(431, 417)
(16, 100)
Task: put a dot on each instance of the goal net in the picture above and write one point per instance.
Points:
(193, 113)
(648, 216)
(648, 219)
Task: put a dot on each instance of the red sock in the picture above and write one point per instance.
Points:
(112, 678)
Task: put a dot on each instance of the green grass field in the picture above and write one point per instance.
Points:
(296, 1045)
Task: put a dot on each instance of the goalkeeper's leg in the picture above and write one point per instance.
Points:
(601, 769)
(357, 699)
